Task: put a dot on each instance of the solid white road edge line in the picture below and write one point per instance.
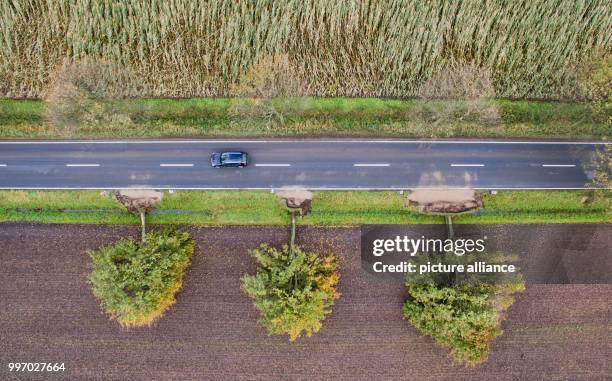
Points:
(299, 141)
(301, 186)
(82, 165)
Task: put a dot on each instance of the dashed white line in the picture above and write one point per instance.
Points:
(467, 165)
(273, 165)
(176, 165)
(82, 165)
(371, 165)
(559, 165)
(2, 165)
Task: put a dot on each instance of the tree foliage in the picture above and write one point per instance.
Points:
(602, 168)
(595, 82)
(86, 94)
(460, 313)
(269, 88)
(292, 290)
(136, 282)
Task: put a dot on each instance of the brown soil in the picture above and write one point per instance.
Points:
(47, 313)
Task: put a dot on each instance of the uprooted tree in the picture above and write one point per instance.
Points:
(603, 167)
(86, 94)
(270, 86)
(600, 166)
(136, 281)
(139, 201)
(292, 291)
(462, 91)
(296, 199)
(461, 311)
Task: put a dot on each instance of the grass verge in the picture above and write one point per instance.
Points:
(263, 208)
(312, 117)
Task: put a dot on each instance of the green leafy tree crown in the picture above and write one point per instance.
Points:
(292, 290)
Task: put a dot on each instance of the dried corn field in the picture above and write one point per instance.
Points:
(184, 48)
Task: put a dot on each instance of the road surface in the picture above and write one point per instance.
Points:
(315, 164)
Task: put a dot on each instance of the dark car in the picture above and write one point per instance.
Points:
(228, 159)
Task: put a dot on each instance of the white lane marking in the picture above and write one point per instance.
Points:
(82, 165)
(273, 165)
(559, 165)
(304, 141)
(371, 165)
(2, 165)
(176, 165)
(467, 165)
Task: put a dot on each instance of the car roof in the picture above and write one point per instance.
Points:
(232, 156)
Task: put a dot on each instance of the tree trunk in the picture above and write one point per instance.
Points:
(291, 244)
(292, 233)
(449, 226)
(142, 226)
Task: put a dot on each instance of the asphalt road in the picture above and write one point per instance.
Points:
(315, 164)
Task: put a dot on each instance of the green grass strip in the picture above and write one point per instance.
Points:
(312, 117)
(328, 208)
